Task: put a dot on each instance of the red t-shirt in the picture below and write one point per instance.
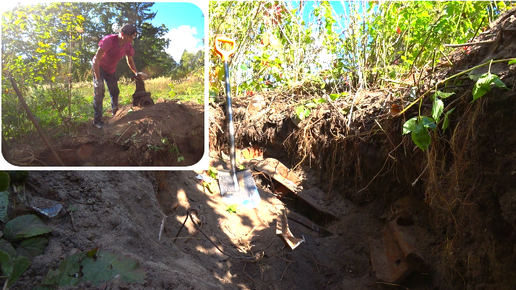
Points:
(113, 52)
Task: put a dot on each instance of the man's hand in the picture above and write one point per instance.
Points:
(143, 75)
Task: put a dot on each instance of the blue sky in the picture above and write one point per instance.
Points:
(185, 22)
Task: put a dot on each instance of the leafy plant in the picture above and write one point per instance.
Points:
(22, 240)
(175, 150)
(418, 127)
(232, 208)
(24, 227)
(210, 183)
(4, 195)
(335, 97)
(13, 267)
(438, 104)
(22, 237)
(4, 204)
(4, 180)
(154, 148)
(303, 111)
(18, 175)
(484, 82)
(212, 172)
(96, 266)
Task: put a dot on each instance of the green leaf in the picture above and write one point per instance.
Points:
(13, 268)
(483, 85)
(443, 95)
(97, 266)
(212, 172)
(333, 97)
(446, 121)
(498, 83)
(437, 108)
(428, 122)
(512, 61)
(32, 247)
(232, 208)
(21, 264)
(72, 208)
(4, 180)
(5, 262)
(302, 112)
(110, 264)
(319, 101)
(67, 273)
(25, 226)
(4, 204)
(421, 137)
(410, 125)
(418, 127)
(18, 175)
(7, 247)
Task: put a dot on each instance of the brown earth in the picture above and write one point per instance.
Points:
(165, 134)
(452, 209)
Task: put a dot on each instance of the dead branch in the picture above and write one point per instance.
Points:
(34, 121)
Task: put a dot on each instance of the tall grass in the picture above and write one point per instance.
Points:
(50, 106)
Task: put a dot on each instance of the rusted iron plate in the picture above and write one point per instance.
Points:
(387, 260)
(275, 169)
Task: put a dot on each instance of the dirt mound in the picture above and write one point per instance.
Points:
(164, 134)
(143, 215)
(118, 211)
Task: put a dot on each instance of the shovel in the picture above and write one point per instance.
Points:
(236, 186)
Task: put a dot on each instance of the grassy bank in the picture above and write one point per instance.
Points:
(50, 105)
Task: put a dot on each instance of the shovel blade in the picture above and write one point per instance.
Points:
(244, 193)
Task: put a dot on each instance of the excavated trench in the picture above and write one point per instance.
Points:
(445, 214)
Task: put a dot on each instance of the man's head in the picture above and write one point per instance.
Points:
(128, 32)
(128, 29)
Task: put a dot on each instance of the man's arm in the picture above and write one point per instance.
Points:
(96, 62)
(130, 63)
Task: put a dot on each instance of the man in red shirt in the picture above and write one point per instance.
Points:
(111, 49)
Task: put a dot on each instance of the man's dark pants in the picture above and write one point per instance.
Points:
(99, 88)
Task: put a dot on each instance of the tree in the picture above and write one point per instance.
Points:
(189, 62)
(135, 13)
(149, 45)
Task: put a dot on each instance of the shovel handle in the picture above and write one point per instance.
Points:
(224, 54)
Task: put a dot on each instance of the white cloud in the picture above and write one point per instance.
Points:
(182, 38)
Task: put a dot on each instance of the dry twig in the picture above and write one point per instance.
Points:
(255, 257)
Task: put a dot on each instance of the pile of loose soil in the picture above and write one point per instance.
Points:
(165, 134)
(117, 211)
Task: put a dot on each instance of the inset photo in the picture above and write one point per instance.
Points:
(114, 84)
